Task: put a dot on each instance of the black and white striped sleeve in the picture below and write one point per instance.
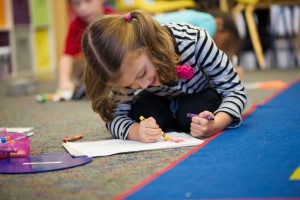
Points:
(120, 125)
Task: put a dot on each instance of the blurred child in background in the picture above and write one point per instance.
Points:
(86, 11)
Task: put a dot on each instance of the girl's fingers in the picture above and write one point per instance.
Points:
(151, 119)
(153, 132)
(150, 122)
(151, 135)
(199, 121)
(206, 114)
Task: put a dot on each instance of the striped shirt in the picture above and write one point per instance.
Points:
(211, 68)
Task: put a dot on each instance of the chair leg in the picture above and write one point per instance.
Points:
(236, 10)
(254, 35)
(223, 4)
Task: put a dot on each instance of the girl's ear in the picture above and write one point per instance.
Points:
(220, 24)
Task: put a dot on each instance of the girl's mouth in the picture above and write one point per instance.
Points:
(153, 82)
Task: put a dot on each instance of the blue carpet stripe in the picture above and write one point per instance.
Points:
(253, 161)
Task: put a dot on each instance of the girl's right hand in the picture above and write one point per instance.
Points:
(149, 131)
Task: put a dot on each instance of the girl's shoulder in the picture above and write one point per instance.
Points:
(182, 27)
(184, 31)
(185, 35)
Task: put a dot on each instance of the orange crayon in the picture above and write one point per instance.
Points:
(71, 139)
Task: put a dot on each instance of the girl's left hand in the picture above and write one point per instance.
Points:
(201, 127)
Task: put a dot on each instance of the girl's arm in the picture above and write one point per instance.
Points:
(65, 69)
(224, 78)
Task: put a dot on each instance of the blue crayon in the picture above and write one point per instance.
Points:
(5, 139)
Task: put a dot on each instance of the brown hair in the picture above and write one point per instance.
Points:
(233, 43)
(105, 44)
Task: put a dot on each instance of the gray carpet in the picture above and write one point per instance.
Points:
(104, 177)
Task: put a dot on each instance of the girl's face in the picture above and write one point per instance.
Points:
(88, 10)
(138, 73)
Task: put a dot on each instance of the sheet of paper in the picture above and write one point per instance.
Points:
(17, 129)
(115, 146)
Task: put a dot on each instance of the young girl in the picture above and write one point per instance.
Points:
(137, 67)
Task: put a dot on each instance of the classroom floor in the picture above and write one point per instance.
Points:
(104, 177)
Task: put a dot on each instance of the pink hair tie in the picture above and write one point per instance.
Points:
(128, 17)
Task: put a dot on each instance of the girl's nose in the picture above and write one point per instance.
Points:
(143, 83)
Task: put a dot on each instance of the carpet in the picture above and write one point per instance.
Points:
(260, 159)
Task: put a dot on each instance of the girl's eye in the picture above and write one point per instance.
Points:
(142, 74)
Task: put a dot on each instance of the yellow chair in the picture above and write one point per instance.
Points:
(154, 6)
(249, 6)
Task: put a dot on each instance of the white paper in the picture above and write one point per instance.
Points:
(17, 129)
(115, 146)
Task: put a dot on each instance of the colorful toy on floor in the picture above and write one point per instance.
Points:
(14, 144)
(63, 95)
